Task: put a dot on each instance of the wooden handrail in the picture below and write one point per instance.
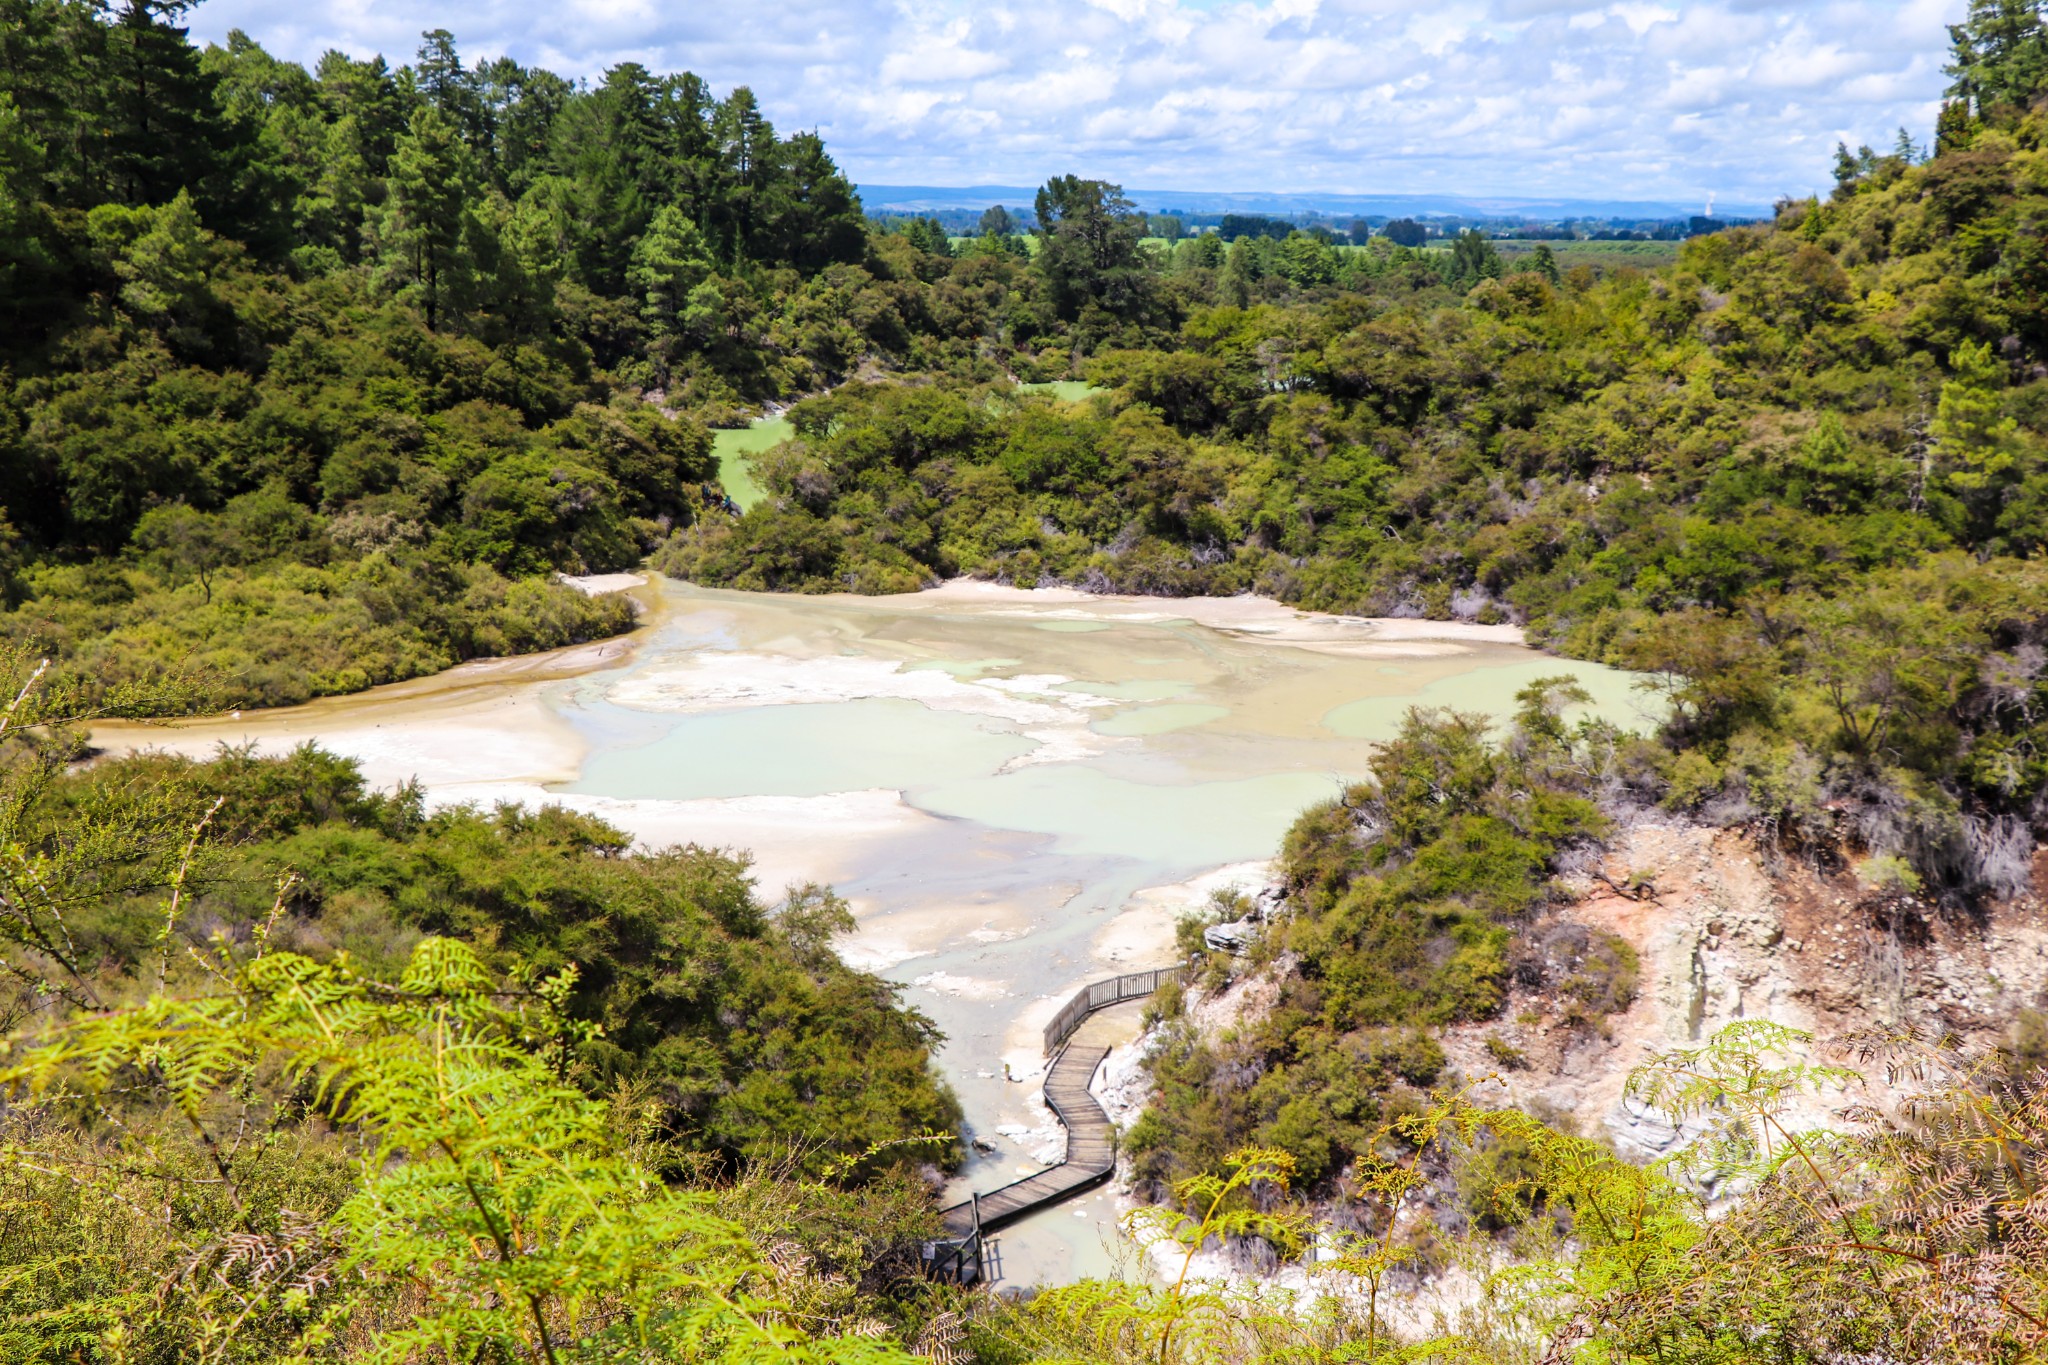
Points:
(965, 1262)
(1098, 995)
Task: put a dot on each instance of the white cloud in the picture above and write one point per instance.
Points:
(1640, 18)
(1627, 99)
(938, 58)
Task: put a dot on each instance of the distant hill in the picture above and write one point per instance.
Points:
(936, 198)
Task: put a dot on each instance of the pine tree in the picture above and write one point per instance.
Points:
(366, 96)
(746, 150)
(25, 260)
(810, 216)
(442, 81)
(1472, 259)
(1998, 55)
(1953, 127)
(669, 262)
(520, 106)
(425, 229)
(609, 144)
(1090, 256)
(165, 129)
(1977, 443)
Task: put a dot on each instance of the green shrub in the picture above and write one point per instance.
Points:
(1407, 900)
(1600, 979)
(747, 1035)
(1505, 1053)
(289, 633)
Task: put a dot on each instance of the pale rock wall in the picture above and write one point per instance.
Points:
(1729, 932)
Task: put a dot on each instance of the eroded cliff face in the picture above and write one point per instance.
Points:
(1722, 930)
(1725, 931)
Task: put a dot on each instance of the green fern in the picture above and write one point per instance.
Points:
(495, 1213)
(1194, 1319)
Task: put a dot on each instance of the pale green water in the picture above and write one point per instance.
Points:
(735, 449)
(1066, 390)
(1158, 720)
(802, 751)
(1091, 813)
(1048, 768)
(1491, 692)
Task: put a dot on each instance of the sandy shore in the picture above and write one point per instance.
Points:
(1143, 935)
(597, 584)
(481, 722)
(1247, 615)
(486, 731)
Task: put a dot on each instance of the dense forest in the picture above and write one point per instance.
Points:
(316, 379)
(313, 380)
(1801, 477)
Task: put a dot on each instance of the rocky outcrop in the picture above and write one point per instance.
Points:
(1723, 930)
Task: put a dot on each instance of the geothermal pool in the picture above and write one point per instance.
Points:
(1018, 791)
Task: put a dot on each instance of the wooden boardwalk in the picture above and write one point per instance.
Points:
(1091, 1150)
(963, 1256)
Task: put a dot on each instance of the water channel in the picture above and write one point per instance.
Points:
(1019, 792)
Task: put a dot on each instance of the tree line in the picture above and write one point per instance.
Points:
(1798, 477)
(313, 379)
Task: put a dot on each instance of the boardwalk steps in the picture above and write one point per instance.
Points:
(1091, 1140)
(1091, 1151)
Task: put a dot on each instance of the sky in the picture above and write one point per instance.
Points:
(1643, 99)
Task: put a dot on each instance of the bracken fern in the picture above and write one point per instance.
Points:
(496, 1215)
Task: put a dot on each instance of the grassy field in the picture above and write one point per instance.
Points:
(1031, 243)
(733, 448)
(1642, 255)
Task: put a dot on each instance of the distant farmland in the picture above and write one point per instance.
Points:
(1602, 256)
(1605, 255)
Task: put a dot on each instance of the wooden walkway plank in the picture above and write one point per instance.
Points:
(1090, 1155)
(1091, 1140)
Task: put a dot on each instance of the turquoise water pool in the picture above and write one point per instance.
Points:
(1043, 763)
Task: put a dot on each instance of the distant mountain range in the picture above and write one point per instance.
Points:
(936, 198)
